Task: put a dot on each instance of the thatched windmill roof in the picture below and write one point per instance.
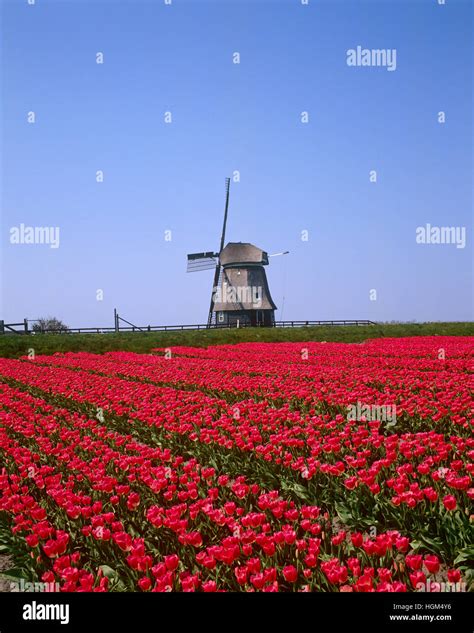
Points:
(242, 253)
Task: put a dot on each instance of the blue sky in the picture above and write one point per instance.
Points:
(230, 117)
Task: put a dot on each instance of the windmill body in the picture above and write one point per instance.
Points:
(240, 292)
(243, 294)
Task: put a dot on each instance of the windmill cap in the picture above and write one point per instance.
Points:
(242, 253)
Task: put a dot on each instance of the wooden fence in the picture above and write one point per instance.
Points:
(23, 327)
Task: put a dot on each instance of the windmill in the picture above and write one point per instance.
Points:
(240, 293)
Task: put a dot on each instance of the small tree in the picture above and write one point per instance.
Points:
(49, 323)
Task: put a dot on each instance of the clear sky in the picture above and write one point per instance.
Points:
(229, 117)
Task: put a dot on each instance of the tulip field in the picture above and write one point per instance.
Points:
(329, 467)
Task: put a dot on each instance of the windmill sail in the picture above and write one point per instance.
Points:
(201, 261)
(217, 274)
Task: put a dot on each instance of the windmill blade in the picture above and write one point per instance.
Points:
(206, 254)
(218, 268)
(201, 261)
(277, 254)
(194, 267)
(227, 186)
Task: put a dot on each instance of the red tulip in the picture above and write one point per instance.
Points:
(123, 540)
(449, 502)
(241, 574)
(144, 583)
(258, 580)
(32, 540)
(432, 563)
(171, 562)
(50, 548)
(254, 565)
(454, 575)
(290, 573)
(133, 501)
(402, 543)
(339, 538)
(414, 561)
(209, 586)
(417, 578)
